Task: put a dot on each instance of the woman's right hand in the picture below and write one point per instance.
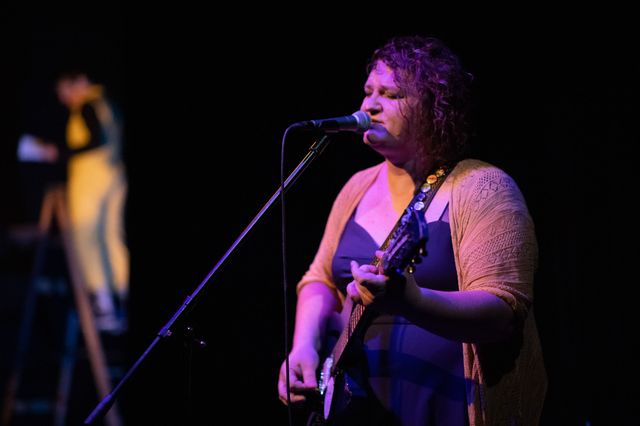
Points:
(303, 363)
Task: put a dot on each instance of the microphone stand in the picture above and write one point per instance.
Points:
(103, 406)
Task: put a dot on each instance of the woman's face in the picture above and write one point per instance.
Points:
(389, 108)
(72, 91)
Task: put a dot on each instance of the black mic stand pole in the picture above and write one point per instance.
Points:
(103, 406)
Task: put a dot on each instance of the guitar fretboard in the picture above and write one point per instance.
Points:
(347, 332)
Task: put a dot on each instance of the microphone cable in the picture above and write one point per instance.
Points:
(285, 286)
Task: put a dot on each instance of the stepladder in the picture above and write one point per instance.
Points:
(54, 223)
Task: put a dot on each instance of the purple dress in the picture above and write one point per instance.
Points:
(415, 377)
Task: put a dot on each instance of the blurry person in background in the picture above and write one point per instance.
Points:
(96, 195)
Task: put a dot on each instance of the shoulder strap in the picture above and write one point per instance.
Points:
(440, 202)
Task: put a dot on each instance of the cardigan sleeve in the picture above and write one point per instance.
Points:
(496, 243)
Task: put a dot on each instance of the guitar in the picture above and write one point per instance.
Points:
(404, 248)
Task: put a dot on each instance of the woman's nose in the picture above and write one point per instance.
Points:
(371, 105)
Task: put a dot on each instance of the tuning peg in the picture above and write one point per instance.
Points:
(416, 260)
(411, 269)
(422, 251)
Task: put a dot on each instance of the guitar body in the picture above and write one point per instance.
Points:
(340, 407)
(333, 398)
(329, 380)
(334, 395)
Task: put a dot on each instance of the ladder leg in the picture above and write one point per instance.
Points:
(92, 341)
(26, 322)
(66, 369)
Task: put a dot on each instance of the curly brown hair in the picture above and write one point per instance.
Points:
(426, 68)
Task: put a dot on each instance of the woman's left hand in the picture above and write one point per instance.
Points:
(387, 294)
(368, 283)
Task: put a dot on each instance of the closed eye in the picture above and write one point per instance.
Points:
(395, 95)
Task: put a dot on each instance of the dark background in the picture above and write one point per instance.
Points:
(207, 96)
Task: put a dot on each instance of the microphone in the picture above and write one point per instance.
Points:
(357, 122)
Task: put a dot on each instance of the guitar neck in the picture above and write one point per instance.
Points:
(355, 325)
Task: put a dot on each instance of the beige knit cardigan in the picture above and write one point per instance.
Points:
(495, 250)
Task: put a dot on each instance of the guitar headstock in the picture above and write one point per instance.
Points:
(408, 243)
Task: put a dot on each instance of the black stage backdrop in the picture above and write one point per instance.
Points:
(207, 96)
